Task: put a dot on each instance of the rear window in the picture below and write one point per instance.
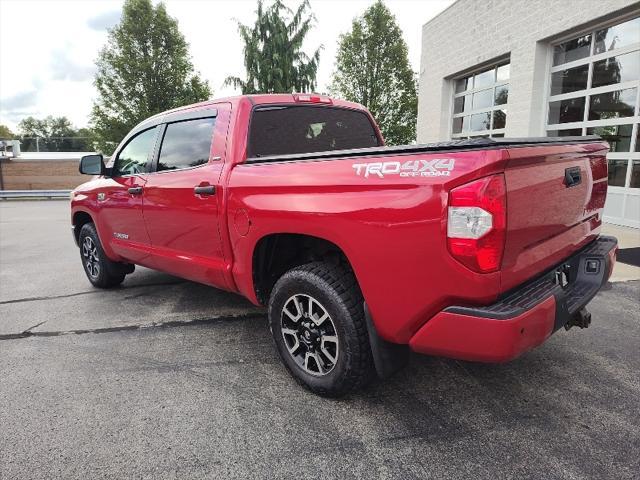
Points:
(305, 129)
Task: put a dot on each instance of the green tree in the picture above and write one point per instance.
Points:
(52, 134)
(372, 68)
(47, 127)
(144, 69)
(5, 132)
(273, 56)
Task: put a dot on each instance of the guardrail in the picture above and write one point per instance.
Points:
(9, 194)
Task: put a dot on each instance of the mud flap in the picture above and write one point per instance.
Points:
(388, 357)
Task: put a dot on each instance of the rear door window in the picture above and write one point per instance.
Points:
(281, 130)
(186, 144)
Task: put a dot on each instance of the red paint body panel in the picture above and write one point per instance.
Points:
(484, 339)
(119, 212)
(546, 220)
(184, 229)
(393, 230)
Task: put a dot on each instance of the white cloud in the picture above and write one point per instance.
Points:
(20, 101)
(63, 67)
(48, 61)
(104, 20)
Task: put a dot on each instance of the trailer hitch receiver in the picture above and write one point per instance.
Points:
(582, 319)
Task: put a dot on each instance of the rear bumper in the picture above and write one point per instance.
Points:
(524, 317)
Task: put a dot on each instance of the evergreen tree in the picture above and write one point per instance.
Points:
(273, 56)
(372, 68)
(144, 69)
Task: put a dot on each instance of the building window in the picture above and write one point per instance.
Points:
(480, 103)
(594, 89)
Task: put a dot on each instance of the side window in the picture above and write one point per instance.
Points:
(186, 144)
(134, 156)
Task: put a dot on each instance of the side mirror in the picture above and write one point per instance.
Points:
(92, 165)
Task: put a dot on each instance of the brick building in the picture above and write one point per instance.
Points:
(42, 171)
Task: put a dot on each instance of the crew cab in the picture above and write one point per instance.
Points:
(476, 249)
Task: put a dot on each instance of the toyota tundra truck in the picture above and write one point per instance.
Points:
(478, 249)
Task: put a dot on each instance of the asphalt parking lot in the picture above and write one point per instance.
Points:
(164, 378)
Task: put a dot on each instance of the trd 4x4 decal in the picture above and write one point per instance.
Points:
(438, 167)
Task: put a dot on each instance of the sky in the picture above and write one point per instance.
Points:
(48, 47)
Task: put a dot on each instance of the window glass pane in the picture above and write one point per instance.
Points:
(457, 125)
(616, 69)
(572, 50)
(463, 84)
(617, 172)
(620, 103)
(484, 79)
(462, 104)
(499, 119)
(618, 36)
(637, 138)
(133, 157)
(503, 72)
(306, 129)
(635, 174)
(480, 121)
(465, 123)
(490, 88)
(566, 111)
(460, 124)
(618, 136)
(570, 80)
(186, 144)
(569, 132)
(483, 99)
(502, 94)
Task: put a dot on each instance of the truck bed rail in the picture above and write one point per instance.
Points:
(454, 145)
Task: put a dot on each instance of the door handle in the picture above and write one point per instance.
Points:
(135, 190)
(205, 190)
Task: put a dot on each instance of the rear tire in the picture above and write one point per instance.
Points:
(101, 272)
(317, 321)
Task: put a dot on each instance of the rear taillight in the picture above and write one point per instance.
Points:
(599, 173)
(477, 222)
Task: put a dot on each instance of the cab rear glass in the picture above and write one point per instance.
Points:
(284, 130)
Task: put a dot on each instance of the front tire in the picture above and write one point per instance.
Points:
(101, 272)
(317, 321)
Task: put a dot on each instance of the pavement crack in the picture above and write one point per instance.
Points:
(69, 295)
(36, 299)
(28, 331)
(123, 328)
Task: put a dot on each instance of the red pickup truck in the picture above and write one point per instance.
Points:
(476, 249)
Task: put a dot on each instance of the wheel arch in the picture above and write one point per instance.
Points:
(276, 253)
(80, 218)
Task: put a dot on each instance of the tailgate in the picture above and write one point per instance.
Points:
(555, 197)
